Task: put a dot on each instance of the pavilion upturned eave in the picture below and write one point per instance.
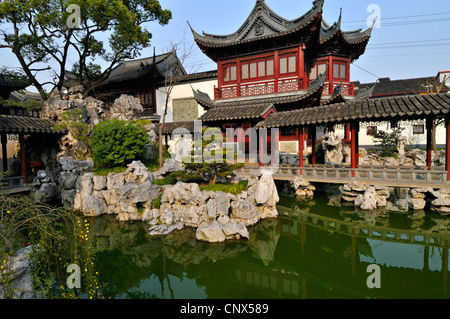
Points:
(271, 21)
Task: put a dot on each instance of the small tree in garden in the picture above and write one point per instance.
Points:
(387, 141)
(213, 162)
(117, 143)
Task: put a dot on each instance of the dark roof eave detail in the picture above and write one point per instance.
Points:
(419, 106)
(284, 28)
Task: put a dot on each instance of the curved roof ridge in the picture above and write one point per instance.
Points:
(261, 11)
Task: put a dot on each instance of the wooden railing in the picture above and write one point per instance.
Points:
(11, 182)
(260, 88)
(348, 89)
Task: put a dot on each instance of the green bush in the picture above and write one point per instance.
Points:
(118, 143)
(388, 142)
(165, 181)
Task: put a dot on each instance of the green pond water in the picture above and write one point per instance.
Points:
(312, 250)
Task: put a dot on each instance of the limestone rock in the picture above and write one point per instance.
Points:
(115, 180)
(332, 145)
(21, 278)
(160, 230)
(46, 192)
(184, 193)
(99, 182)
(235, 230)
(211, 232)
(417, 203)
(93, 206)
(244, 211)
(126, 108)
(169, 166)
(138, 172)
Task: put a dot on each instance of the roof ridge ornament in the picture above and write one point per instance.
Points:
(259, 27)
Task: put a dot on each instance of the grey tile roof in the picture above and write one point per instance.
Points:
(134, 69)
(19, 83)
(241, 112)
(405, 107)
(386, 86)
(23, 124)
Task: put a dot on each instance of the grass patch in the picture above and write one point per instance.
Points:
(185, 177)
(105, 171)
(165, 181)
(231, 188)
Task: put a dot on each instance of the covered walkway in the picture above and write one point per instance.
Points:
(21, 126)
(351, 114)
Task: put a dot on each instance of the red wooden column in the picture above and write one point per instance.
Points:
(277, 69)
(347, 132)
(301, 143)
(23, 170)
(313, 146)
(357, 143)
(354, 129)
(429, 124)
(447, 146)
(262, 139)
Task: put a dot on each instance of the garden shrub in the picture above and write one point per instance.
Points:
(118, 143)
(165, 181)
(388, 142)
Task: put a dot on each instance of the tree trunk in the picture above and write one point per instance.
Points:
(433, 137)
(213, 180)
(161, 129)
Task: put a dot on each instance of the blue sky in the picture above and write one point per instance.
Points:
(413, 40)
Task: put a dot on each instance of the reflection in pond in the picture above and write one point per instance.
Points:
(313, 250)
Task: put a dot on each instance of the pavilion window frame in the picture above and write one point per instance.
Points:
(343, 67)
(227, 72)
(268, 62)
(287, 57)
(316, 68)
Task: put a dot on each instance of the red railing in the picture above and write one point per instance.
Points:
(347, 88)
(260, 88)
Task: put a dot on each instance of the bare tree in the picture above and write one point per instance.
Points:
(174, 70)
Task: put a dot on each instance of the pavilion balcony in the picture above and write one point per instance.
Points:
(261, 88)
(348, 89)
